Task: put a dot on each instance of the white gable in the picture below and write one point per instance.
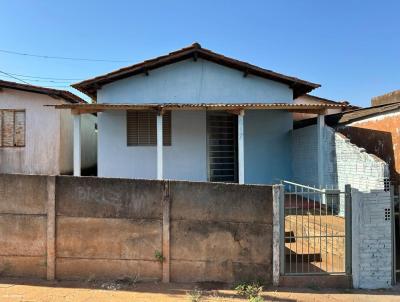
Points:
(192, 81)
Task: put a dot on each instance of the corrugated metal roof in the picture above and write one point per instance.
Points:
(350, 116)
(200, 106)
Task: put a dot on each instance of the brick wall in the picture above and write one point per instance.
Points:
(372, 242)
(345, 163)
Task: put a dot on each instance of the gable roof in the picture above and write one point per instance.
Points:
(63, 94)
(351, 116)
(194, 51)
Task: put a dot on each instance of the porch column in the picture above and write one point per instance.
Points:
(241, 147)
(320, 155)
(159, 146)
(77, 145)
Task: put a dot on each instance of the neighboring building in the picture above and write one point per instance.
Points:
(387, 98)
(311, 99)
(37, 139)
(221, 119)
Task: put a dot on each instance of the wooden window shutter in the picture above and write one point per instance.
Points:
(8, 128)
(142, 128)
(1, 127)
(19, 128)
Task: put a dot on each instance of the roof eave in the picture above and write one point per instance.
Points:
(62, 94)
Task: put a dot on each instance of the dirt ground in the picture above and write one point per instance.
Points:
(12, 290)
(329, 252)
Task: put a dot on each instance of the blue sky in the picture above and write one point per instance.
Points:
(352, 48)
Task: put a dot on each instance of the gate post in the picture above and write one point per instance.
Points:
(278, 243)
(348, 229)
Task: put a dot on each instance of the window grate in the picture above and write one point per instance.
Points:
(222, 146)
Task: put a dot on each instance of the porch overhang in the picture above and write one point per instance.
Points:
(230, 107)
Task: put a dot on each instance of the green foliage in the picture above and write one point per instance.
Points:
(256, 299)
(250, 291)
(159, 256)
(195, 295)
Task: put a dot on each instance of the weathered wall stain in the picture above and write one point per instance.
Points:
(111, 228)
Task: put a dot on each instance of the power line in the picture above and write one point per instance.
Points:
(49, 86)
(47, 81)
(44, 78)
(60, 58)
(11, 76)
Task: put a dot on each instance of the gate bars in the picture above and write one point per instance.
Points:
(316, 237)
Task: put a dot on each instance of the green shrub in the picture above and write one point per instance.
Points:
(256, 299)
(249, 290)
(195, 295)
(159, 256)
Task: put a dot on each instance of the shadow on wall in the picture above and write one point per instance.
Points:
(379, 143)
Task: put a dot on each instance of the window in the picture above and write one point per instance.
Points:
(142, 128)
(12, 128)
(222, 147)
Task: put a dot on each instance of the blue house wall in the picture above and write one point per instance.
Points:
(267, 142)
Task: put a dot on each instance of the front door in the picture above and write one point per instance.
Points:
(222, 146)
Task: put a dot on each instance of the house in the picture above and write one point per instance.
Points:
(195, 115)
(36, 138)
(312, 99)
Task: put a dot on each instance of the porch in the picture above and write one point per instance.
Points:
(243, 143)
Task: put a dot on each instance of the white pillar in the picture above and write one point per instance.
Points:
(241, 147)
(159, 147)
(320, 150)
(77, 145)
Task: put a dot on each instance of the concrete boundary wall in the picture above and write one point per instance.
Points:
(84, 228)
(23, 223)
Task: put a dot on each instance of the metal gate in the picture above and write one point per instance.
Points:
(317, 230)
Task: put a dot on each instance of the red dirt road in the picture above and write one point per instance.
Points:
(27, 291)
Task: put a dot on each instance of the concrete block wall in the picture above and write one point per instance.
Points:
(372, 239)
(344, 162)
(104, 228)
